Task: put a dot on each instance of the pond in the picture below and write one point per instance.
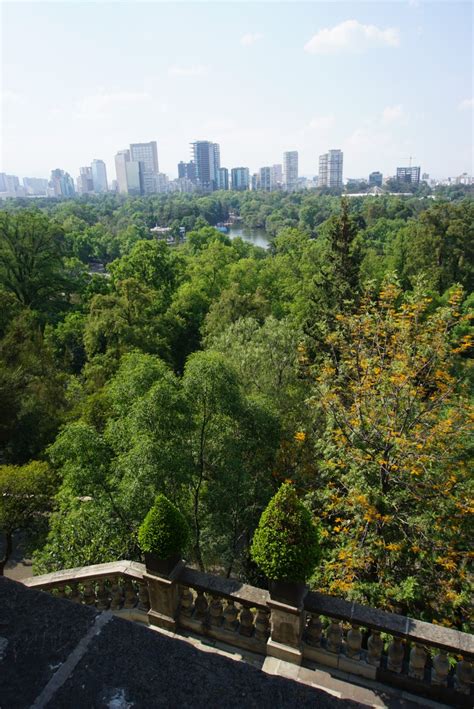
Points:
(257, 237)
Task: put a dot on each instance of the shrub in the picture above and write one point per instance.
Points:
(164, 531)
(286, 543)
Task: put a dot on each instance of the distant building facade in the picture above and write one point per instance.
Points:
(266, 179)
(277, 176)
(408, 175)
(35, 186)
(240, 178)
(331, 169)
(99, 176)
(375, 179)
(62, 183)
(147, 155)
(84, 182)
(208, 161)
(187, 170)
(290, 170)
(223, 178)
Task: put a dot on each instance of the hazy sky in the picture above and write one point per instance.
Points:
(381, 80)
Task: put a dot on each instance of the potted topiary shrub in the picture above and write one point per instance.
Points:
(162, 536)
(286, 546)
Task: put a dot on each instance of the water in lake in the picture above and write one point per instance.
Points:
(257, 237)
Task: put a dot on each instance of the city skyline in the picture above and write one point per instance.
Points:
(363, 77)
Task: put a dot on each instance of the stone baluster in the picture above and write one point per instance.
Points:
(440, 669)
(103, 599)
(334, 636)
(314, 631)
(464, 676)
(262, 624)
(130, 595)
(395, 655)
(116, 594)
(416, 665)
(186, 601)
(354, 642)
(374, 648)
(143, 597)
(215, 611)
(89, 593)
(201, 605)
(230, 616)
(246, 622)
(75, 593)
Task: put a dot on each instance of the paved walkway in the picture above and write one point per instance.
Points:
(60, 655)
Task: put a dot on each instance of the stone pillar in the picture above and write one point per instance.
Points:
(164, 598)
(287, 624)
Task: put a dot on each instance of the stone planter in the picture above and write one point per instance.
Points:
(288, 592)
(161, 567)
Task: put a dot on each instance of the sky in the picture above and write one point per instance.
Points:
(382, 81)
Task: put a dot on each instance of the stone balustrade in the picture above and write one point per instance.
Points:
(348, 637)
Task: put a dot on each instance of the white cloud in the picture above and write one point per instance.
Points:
(11, 97)
(392, 114)
(96, 104)
(188, 71)
(466, 104)
(351, 36)
(250, 38)
(321, 123)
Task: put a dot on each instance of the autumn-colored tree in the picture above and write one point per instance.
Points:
(393, 470)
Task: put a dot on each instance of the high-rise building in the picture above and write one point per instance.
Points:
(62, 183)
(375, 179)
(121, 160)
(408, 175)
(255, 181)
(10, 186)
(134, 177)
(187, 170)
(147, 155)
(290, 169)
(84, 182)
(223, 178)
(330, 169)
(240, 178)
(277, 176)
(207, 160)
(35, 186)
(266, 179)
(99, 176)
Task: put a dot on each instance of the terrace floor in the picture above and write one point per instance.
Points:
(55, 653)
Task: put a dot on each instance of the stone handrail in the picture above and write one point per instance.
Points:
(348, 637)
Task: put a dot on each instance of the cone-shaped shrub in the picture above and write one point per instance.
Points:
(286, 543)
(164, 531)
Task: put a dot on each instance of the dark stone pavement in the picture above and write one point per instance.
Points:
(123, 665)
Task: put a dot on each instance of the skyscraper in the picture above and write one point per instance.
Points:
(330, 169)
(266, 179)
(240, 179)
(129, 173)
(409, 175)
(277, 175)
(99, 176)
(223, 175)
(62, 183)
(84, 182)
(290, 169)
(187, 170)
(147, 155)
(207, 160)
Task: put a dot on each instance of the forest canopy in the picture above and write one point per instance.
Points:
(211, 371)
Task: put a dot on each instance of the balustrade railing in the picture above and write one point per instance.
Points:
(348, 637)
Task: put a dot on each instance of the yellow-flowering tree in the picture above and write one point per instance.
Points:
(393, 477)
